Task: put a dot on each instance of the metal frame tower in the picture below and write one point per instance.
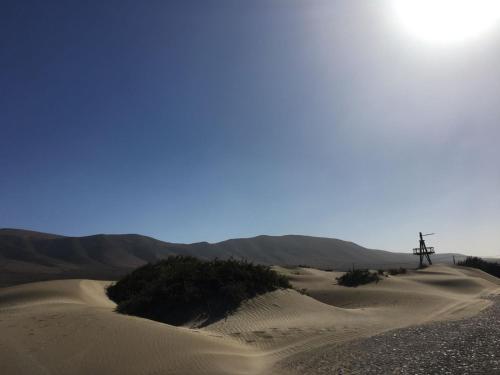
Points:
(423, 251)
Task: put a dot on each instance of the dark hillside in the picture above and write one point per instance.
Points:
(32, 256)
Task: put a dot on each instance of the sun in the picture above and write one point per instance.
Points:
(447, 21)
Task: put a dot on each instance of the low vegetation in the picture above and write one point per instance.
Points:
(493, 268)
(392, 271)
(397, 271)
(354, 278)
(184, 289)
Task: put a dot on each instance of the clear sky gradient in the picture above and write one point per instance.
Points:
(207, 120)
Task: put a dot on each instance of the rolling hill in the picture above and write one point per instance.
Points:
(27, 256)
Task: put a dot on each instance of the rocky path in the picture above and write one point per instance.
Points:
(469, 346)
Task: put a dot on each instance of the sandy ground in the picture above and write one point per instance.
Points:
(465, 346)
(69, 326)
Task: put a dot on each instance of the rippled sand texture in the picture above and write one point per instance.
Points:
(70, 327)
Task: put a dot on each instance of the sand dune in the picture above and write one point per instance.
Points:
(69, 327)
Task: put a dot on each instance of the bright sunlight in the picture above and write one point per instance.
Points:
(448, 21)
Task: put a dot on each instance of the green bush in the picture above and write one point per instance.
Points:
(182, 289)
(357, 277)
(492, 268)
(397, 271)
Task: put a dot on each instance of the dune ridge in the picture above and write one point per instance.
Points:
(70, 327)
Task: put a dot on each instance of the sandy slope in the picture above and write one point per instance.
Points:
(69, 327)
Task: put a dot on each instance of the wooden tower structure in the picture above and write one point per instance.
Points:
(423, 251)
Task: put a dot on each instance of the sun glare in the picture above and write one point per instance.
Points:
(445, 21)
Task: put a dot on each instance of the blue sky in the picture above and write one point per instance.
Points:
(207, 120)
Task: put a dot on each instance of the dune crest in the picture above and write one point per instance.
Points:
(70, 327)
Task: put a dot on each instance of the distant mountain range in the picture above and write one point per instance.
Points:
(27, 256)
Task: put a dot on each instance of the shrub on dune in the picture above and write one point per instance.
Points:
(397, 271)
(184, 289)
(493, 268)
(357, 277)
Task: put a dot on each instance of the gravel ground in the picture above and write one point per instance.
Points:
(469, 346)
